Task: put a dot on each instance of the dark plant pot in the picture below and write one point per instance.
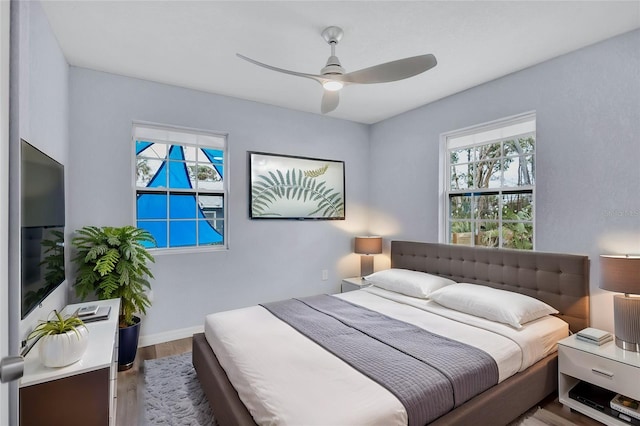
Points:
(128, 338)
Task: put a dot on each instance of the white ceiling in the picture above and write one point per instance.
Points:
(193, 44)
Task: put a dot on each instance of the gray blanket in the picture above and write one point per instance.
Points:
(428, 373)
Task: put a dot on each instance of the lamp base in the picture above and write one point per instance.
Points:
(366, 265)
(626, 311)
(627, 346)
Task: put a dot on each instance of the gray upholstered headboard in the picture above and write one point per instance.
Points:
(561, 280)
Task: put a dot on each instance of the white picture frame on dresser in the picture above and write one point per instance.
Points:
(607, 366)
(39, 383)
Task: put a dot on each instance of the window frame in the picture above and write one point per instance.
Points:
(444, 233)
(224, 192)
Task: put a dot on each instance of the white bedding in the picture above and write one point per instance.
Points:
(282, 377)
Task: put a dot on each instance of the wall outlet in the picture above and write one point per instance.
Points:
(325, 275)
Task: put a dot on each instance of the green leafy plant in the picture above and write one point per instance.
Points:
(58, 325)
(298, 185)
(204, 173)
(112, 263)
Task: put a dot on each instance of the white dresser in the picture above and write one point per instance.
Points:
(83, 393)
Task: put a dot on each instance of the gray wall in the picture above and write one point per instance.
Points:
(588, 104)
(588, 149)
(39, 115)
(266, 260)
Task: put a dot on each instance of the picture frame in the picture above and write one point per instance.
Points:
(293, 187)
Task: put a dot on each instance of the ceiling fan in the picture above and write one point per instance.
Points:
(333, 77)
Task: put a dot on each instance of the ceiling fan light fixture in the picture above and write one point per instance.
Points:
(332, 85)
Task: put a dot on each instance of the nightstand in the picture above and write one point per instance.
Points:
(355, 283)
(607, 366)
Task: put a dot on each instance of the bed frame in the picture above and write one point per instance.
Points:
(561, 280)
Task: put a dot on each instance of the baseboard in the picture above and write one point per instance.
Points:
(154, 339)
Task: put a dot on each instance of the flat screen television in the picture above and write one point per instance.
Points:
(42, 226)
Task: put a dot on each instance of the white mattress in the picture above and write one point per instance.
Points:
(282, 377)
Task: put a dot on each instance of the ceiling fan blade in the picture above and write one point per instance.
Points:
(330, 100)
(317, 78)
(391, 71)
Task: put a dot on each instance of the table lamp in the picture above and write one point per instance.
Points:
(366, 246)
(622, 274)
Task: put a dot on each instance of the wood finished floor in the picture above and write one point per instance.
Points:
(131, 386)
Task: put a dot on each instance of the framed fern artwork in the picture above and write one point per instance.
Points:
(290, 187)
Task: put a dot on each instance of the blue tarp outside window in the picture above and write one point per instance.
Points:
(175, 217)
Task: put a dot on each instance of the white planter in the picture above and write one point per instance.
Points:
(59, 350)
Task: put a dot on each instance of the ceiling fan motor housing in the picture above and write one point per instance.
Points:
(333, 66)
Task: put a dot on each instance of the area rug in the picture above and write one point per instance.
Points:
(172, 393)
(541, 417)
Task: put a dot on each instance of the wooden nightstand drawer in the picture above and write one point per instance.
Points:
(601, 371)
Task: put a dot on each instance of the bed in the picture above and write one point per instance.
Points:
(560, 280)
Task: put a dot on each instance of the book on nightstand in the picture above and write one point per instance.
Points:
(627, 406)
(594, 336)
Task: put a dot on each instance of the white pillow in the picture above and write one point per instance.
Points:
(405, 281)
(496, 305)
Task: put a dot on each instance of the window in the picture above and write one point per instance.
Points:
(490, 184)
(180, 186)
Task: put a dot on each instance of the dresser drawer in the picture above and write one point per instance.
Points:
(600, 371)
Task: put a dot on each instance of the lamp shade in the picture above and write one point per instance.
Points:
(620, 273)
(368, 245)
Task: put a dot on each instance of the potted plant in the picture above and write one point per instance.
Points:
(112, 263)
(63, 340)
